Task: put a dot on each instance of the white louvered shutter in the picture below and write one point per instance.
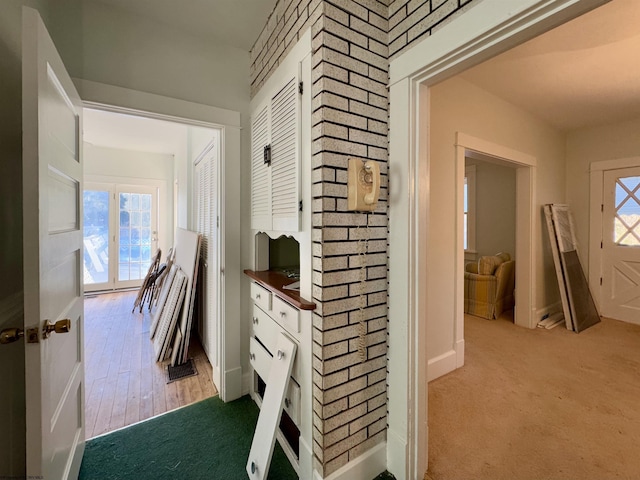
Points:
(260, 172)
(285, 183)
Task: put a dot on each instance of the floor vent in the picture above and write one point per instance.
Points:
(187, 369)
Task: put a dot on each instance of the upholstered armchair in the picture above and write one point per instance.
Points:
(489, 286)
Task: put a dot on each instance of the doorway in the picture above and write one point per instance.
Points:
(138, 175)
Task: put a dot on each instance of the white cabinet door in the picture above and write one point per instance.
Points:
(275, 184)
(260, 171)
(285, 166)
(52, 170)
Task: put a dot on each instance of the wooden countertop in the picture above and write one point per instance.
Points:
(275, 282)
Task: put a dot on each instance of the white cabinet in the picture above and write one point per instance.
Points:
(275, 159)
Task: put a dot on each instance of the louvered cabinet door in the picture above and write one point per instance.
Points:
(285, 181)
(260, 171)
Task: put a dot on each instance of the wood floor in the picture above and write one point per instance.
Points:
(124, 384)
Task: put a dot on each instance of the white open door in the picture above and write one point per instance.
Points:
(621, 245)
(53, 258)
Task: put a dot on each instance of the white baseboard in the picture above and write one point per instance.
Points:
(396, 455)
(441, 365)
(460, 353)
(367, 466)
(305, 459)
(232, 385)
(246, 382)
(548, 310)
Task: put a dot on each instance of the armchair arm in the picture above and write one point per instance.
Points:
(471, 267)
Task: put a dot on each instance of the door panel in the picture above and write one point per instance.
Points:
(52, 173)
(621, 244)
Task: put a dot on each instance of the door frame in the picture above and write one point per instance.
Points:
(596, 202)
(483, 31)
(132, 102)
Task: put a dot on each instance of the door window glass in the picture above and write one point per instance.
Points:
(626, 231)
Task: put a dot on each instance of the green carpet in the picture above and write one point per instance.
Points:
(208, 440)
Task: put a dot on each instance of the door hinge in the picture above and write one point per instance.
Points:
(300, 206)
(300, 88)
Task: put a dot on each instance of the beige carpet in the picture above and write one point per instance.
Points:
(539, 404)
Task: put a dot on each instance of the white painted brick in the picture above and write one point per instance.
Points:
(377, 153)
(368, 84)
(369, 30)
(336, 14)
(351, 7)
(377, 127)
(367, 110)
(370, 365)
(373, 139)
(425, 24)
(363, 395)
(369, 57)
(368, 419)
(326, 69)
(344, 118)
(342, 417)
(378, 426)
(344, 390)
(375, 377)
(397, 45)
(380, 21)
(345, 32)
(331, 466)
(370, 286)
(332, 234)
(367, 445)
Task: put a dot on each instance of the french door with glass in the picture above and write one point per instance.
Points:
(120, 234)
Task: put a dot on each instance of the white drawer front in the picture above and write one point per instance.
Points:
(261, 296)
(292, 402)
(265, 328)
(270, 333)
(260, 358)
(286, 315)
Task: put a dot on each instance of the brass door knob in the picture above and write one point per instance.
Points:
(61, 326)
(10, 335)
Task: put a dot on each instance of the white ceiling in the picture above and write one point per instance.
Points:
(235, 23)
(127, 132)
(583, 73)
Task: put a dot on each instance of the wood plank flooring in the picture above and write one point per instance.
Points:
(124, 384)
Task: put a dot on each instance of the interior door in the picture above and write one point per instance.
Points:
(621, 245)
(53, 290)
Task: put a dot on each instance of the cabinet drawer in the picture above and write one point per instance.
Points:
(270, 331)
(286, 315)
(292, 401)
(261, 296)
(260, 358)
(265, 328)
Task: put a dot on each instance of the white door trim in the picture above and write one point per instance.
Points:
(132, 102)
(525, 214)
(596, 200)
(486, 29)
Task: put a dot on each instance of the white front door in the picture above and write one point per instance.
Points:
(53, 291)
(621, 245)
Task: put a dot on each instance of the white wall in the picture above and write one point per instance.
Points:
(495, 209)
(587, 145)
(459, 106)
(113, 165)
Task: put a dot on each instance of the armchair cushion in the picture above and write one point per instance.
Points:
(488, 295)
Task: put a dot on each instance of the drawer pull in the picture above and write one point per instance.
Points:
(253, 468)
(257, 295)
(283, 314)
(280, 354)
(252, 356)
(255, 320)
(287, 403)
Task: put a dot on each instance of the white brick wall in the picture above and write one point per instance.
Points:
(353, 42)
